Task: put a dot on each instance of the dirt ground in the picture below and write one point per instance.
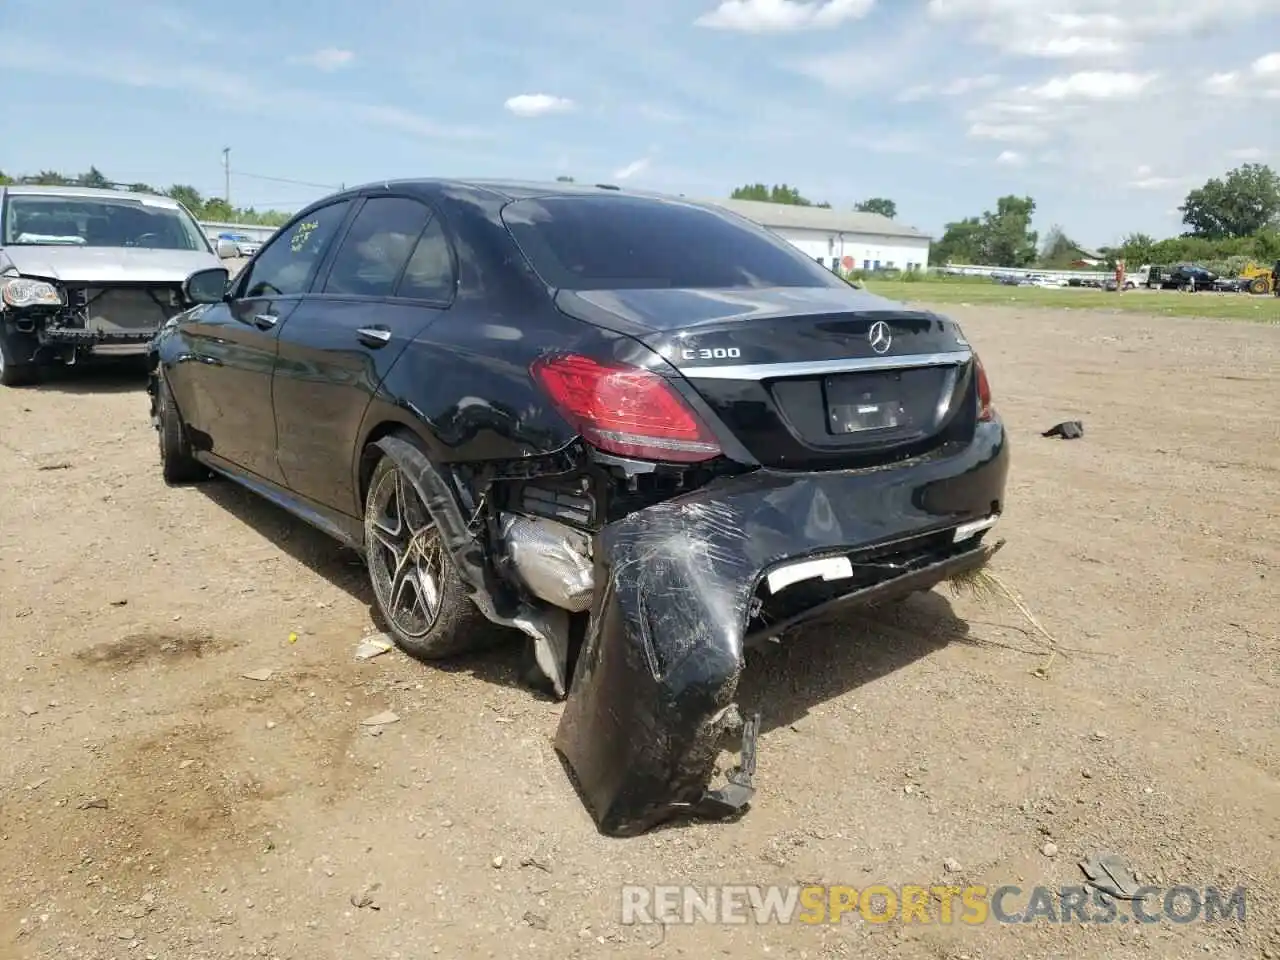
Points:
(156, 803)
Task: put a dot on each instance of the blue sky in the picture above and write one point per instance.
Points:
(1105, 113)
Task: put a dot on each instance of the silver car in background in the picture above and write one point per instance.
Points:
(87, 271)
(244, 246)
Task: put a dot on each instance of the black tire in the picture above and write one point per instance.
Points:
(454, 625)
(177, 464)
(13, 372)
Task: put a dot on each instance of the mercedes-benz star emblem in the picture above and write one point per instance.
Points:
(880, 337)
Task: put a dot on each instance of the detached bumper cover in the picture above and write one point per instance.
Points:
(91, 338)
(653, 692)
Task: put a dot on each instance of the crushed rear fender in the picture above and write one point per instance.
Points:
(652, 696)
(548, 626)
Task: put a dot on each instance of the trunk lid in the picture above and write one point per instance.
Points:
(807, 378)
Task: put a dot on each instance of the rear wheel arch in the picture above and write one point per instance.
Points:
(369, 453)
(440, 618)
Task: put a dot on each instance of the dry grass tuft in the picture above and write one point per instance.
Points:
(983, 585)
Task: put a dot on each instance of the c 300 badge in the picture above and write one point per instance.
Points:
(710, 353)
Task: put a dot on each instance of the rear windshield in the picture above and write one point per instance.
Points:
(614, 243)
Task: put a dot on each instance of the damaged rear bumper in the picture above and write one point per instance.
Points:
(680, 593)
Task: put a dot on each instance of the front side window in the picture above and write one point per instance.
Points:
(377, 247)
(68, 220)
(603, 243)
(284, 267)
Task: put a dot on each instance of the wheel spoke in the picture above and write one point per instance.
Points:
(402, 505)
(430, 592)
(389, 542)
(405, 597)
(405, 571)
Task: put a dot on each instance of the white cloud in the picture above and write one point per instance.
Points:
(1096, 120)
(887, 140)
(953, 88)
(537, 104)
(1055, 107)
(1010, 118)
(1008, 132)
(1090, 29)
(778, 16)
(1261, 79)
(661, 114)
(1267, 66)
(227, 91)
(1011, 158)
(1145, 179)
(1223, 84)
(174, 21)
(1095, 85)
(874, 65)
(1246, 153)
(631, 169)
(1064, 30)
(327, 59)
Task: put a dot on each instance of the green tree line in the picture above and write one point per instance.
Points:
(1230, 221)
(203, 208)
(785, 193)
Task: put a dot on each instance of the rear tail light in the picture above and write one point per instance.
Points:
(625, 410)
(985, 410)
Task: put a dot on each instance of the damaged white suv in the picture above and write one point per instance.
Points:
(87, 271)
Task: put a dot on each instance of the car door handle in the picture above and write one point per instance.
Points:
(374, 336)
(265, 321)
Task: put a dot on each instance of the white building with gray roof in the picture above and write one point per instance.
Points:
(857, 241)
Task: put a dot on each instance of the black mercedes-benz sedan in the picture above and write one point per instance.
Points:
(642, 431)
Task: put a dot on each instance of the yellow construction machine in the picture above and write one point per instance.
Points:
(1258, 279)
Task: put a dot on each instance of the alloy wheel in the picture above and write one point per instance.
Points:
(405, 558)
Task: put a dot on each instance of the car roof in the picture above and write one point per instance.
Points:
(507, 189)
(87, 193)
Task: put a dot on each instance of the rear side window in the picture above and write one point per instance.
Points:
(429, 274)
(377, 247)
(603, 243)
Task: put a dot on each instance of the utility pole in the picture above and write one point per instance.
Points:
(226, 168)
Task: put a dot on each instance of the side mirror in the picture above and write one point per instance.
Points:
(227, 249)
(207, 286)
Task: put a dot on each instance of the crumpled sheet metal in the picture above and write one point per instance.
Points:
(661, 661)
(548, 627)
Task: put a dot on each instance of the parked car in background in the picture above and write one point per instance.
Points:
(645, 463)
(1048, 283)
(243, 245)
(89, 272)
(1180, 277)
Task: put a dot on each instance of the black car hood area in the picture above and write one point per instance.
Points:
(693, 328)
(653, 692)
